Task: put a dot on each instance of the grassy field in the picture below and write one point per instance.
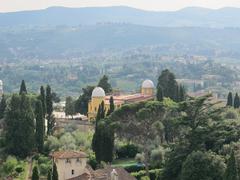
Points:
(123, 162)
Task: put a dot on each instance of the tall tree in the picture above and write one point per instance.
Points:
(159, 93)
(69, 108)
(103, 138)
(49, 175)
(103, 83)
(54, 172)
(42, 97)
(167, 85)
(231, 172)
(236, 101)
(20, 126)
(35, 174)
(182, 93)
(112, 107)
(3, 106)
(40, 126)
(81, 104)
(23, 88)
(230, 99)
(49, 110)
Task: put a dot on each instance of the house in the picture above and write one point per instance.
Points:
(72, 165)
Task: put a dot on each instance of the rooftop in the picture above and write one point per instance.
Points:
(68, 154)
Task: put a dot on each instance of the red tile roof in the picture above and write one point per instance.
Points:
(68, 154)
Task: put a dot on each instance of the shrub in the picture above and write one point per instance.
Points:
(139, 158)
(134, 168)
(44, 168)
(127, 151)
(10, 165)
(231, 114)
(157, 157)
(19, 169)
(155, 174)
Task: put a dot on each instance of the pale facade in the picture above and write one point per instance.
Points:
(70, 164)
(98, 96)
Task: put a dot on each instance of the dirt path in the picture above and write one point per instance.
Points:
(29, 171)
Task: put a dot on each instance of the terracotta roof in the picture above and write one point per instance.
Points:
(84, 176)
(68, 154)
(103, 174)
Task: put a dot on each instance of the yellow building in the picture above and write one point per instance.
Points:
(99, 96)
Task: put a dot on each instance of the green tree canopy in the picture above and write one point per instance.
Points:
(202, 166)
(35, 174)
(40, 126)
(70, 107)
(3, 105)
(81, 104)
(230, 99)
(236, 103)
(20, 126)
(23, 88)
(103, 83)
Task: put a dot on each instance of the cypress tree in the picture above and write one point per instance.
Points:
(49, 175)
(35, 174)
(167, 85)
(103, 83)
(3, 106)
(159, 94)
(54, 173)
(230, 99)
(236, 101)
(49, 110)
(43, 100)
(231, 172)
(23, 88)
(40, 129)
(182, 93)
(20, 126)
(112, 107)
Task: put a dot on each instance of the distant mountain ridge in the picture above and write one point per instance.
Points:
(187, 17)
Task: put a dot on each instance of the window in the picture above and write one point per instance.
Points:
(72, 172)
(78, 160)
(68, 161)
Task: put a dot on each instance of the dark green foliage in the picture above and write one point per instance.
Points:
(54, 172)
(134, 168)
(167, 87)
(49, 175)
(155, 174)
(49, 110)
(159, 93)
(81, 104)
(70, 107)
(103, 138)
(3, 105)
(127, 151)
(40, 126)
(236, 103)
(55, 97)
(19, 120)
(203, 165)
(42, 97)
(231, 172)
(35, 174)
(23, 88)
(112, 107)
(230, 99)
(103, 83)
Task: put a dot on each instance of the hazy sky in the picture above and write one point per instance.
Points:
(18, 5)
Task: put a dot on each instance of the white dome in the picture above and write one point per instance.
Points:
(147, 84)
(98, 92)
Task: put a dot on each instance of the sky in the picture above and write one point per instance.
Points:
(156, 5)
